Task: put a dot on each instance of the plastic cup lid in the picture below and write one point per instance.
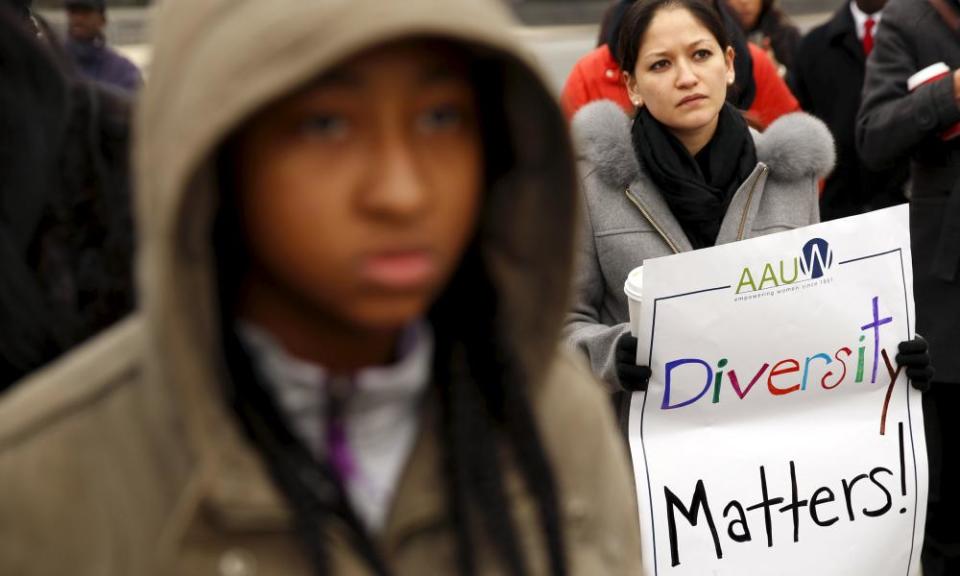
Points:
(633, 287)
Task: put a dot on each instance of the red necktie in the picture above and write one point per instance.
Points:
(868, 35)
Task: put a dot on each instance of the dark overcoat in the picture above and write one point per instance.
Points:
(894, 124)
(827, 79)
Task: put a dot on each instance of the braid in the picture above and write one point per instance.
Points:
(539, 477)
(485, 402)
(313, 490)
(453, 472)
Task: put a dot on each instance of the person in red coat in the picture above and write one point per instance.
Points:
(763, 95)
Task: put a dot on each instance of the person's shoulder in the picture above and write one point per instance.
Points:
(906, 12)
(601, 134)
(569, 396)
(817, 48)
(819, 37)
(68, 390)
(596, 60)
(121, 62)
(117, 56)
(589, 460)
(797, 146)
(575, 417)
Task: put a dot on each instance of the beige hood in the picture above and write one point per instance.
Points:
(218, 61)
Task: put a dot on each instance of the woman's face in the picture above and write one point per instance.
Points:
(360, 193)
(682, 74)
(746, 11)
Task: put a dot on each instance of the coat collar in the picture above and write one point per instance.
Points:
(739, 217)
(793, 147)
(842, 31)
(239, 497)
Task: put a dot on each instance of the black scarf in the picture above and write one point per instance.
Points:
(698, 190)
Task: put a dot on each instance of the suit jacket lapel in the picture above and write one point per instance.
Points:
(843, 33)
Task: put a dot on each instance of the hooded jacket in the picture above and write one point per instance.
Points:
(627, 220)
(123, 458)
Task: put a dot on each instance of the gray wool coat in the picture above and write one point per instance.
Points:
(626, 219)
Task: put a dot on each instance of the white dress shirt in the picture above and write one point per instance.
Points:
(860, 18)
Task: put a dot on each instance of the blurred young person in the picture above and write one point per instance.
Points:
(348, 356)
(766, 25)
(827, 78)
(685, 173)
(898, 125)
(65, 226)
(758, 89)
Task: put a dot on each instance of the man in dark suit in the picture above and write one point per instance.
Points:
(896, 123)
(827, 79)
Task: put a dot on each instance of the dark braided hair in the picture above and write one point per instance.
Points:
(486, 405)
(483, 387)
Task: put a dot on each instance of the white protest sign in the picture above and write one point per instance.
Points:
(777, 436)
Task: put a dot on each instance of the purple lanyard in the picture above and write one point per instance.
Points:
(339, 390)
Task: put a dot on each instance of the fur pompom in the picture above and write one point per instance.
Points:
(797, 146)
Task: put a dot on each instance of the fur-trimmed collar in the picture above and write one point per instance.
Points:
(795, 146)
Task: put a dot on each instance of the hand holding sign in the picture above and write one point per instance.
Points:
(632, 377)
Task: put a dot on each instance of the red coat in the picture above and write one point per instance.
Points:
(596, 76)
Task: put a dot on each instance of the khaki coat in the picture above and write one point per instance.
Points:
(123, 458)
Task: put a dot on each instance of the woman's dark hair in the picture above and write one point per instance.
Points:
(638, 17)
(610, 25)
(65, 228)
(770, 17)
(775, 25)
(477, 381)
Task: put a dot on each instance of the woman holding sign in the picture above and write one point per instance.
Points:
(348, 357)
(684, 173)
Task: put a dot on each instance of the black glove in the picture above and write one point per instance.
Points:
(632, 378)
(915, 357)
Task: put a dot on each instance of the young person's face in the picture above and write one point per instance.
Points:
(682, 73)
(360, 193)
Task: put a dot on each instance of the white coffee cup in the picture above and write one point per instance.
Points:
(633, 288)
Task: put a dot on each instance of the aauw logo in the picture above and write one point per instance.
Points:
(815, 259)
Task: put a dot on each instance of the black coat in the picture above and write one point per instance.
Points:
(893, 125)
(66, 232)
(827, 79)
